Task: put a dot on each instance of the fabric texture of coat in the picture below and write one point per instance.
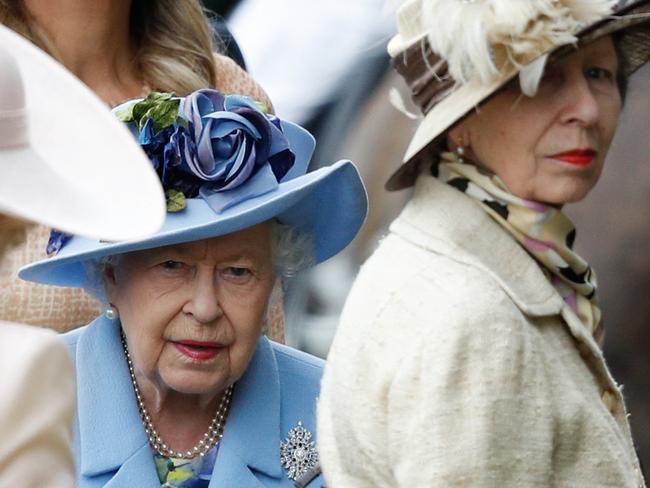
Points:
(456, 363)
(278, 389)
(36, 409)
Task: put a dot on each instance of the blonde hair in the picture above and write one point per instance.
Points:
(174, 40)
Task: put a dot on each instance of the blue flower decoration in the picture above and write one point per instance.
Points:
(222, 148)
(213, 143)
(57, 240)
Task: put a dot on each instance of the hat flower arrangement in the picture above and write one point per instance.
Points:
(211, 144)
(225, 164)
(207, 144)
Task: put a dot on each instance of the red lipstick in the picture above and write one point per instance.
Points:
(199, 351)
(577, 157)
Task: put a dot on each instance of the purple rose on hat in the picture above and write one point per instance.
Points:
(232, 136)
(209, 145)
(222, 148)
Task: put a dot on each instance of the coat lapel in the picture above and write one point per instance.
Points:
(232, 470)
(111, 436)
(251, 441)
(138, 470)
(443, 220)
(469, 235)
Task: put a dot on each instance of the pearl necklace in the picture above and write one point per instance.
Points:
(210, 439)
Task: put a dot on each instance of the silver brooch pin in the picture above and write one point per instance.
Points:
(298, 453)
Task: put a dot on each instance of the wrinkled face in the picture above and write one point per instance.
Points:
(192, 313)
(549, 148)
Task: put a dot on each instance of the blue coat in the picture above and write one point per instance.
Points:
(278, 389)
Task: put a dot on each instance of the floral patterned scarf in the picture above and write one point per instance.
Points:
(186, 473)
(543, 230)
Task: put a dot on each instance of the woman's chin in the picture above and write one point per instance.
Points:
(567, 183)
(570, 192)
(559, 189)
(195, 382)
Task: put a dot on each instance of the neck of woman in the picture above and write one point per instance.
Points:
(92, 39)
(180, 419)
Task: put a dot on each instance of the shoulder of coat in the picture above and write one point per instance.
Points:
(296, 366)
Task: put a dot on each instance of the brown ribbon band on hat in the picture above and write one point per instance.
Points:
(425, 73)
(13, 128)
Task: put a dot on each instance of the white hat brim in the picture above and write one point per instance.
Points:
(82, 171)
(329, 204)
(445, 114)
(449, 111)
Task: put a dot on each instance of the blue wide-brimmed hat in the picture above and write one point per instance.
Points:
(225, 165)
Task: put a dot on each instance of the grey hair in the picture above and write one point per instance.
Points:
(292, 251)
(95, 273)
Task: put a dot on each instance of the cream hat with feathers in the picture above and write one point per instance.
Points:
(455, 54)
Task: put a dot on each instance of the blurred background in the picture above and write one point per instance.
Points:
(324, 66)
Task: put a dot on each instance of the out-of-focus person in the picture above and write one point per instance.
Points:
(321, 78)
(121, 49)
(62, 161)
(176, 385)
(468, 351)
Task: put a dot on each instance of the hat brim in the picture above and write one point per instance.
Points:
(330, 204)
(82, 171)
(466, 98)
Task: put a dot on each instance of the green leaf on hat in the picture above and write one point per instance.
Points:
(176, 200)
(264, 108)
(182, 122)
(162, 108)
(125, 115)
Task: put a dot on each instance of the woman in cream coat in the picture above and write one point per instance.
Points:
(38, 388)
(468, 351)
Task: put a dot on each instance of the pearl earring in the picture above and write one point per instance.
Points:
(111, 312)
(460, 152)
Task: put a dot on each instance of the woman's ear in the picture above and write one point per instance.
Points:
(457, 136)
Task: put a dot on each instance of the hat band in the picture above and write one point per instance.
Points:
(13, 128)
(425, 73)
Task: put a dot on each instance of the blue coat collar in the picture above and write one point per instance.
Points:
(252, 433)
(111, 437)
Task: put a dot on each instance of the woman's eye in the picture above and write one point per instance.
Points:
(237, 272)
(597, 73)
(171, 265)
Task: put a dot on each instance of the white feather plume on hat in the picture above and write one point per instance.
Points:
(482, 39)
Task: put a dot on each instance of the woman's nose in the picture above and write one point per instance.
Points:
(203, 302)
(580, 105)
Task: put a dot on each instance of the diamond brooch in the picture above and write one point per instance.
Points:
(298, 453)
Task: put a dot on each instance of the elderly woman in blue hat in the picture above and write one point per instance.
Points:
(176, 384)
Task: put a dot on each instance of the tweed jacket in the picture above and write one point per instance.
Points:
(456, 363)
(278, 389)
(36, 409)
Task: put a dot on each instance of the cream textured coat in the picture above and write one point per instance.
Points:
(37, 405)
(456, 363)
